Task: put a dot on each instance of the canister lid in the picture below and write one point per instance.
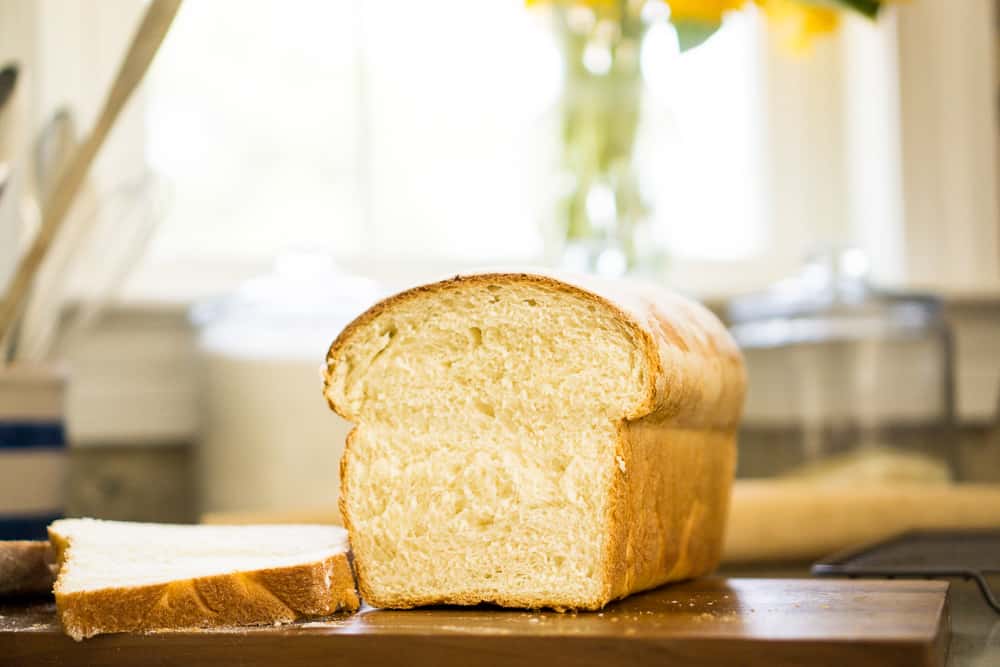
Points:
(831, 299)
(293, 312)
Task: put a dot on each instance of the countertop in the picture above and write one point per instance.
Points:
(707, 622)
(704, 620)
(975, 626)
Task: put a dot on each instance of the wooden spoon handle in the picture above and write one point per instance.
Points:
(145, 43)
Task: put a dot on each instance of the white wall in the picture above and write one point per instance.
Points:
(18, 21)
(923, 119)
(948, 97)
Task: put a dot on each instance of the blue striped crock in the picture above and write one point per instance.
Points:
(33, 455)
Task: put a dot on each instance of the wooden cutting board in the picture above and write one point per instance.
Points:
(709, 622)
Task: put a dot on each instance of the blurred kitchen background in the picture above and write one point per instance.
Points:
(824, 179)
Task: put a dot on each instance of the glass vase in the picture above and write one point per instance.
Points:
(602, 218)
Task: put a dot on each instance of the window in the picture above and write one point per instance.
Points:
(397, 135)
(366, 128)
(424, 131)
(700, 142)
(251, 116)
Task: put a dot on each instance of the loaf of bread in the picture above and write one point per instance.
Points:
(534, 442)
(124, 577)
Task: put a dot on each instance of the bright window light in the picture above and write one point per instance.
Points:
(429, 131)
(700, 145)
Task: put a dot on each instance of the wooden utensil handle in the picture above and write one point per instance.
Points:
(145, 43)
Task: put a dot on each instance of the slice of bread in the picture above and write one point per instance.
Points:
(534, 442)
(117, 576)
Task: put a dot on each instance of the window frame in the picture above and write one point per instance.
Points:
(935, 224)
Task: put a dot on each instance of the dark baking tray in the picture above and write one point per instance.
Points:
(969, 554)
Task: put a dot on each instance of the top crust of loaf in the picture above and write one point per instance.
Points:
(695, 377)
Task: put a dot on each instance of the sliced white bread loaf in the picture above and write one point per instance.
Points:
(534, 442)
(118, 576)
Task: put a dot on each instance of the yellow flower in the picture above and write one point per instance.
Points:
(601, 8)
(593, 4)
(703, 11)
(797, 23)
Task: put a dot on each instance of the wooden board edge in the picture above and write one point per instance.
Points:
(942, 640)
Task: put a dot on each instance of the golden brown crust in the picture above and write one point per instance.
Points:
(675, 455)
(25, 567)
(669, 505)
(259, 597)
(674, 467)
(700, 378)
(698, 374)
(360, 569)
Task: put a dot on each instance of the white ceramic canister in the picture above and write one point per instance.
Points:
(33, 456)
(269, 441)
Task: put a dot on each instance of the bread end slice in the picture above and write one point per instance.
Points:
(125, 577)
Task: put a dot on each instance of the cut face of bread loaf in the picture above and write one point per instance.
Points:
(118, 576)
(534, 442)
